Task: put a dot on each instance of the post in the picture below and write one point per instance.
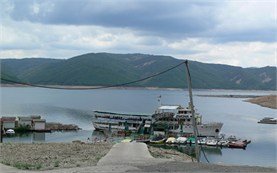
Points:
(195, 132)
(1, 129)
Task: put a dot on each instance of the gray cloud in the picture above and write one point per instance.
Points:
(171, 19)
(165, 18)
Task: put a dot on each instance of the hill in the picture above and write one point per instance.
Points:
(96, 69)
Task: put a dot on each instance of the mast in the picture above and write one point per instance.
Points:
(195, 132)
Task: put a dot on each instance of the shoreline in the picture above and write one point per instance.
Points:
(132, 87)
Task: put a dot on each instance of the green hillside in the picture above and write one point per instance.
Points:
(96, 69)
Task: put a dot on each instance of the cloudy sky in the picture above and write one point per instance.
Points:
(241, 32)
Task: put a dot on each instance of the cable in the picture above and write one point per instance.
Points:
(90, 88)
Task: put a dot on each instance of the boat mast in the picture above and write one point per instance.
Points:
(195, 132)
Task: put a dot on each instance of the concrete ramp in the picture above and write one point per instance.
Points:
(129, 154)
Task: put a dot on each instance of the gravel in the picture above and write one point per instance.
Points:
(45, 156)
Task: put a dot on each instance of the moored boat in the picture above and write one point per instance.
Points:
(237, 144)
(178, 120)
(171, 140)
(211, 142)
(112, 121)
(159, 139)
(181, 140)
(202, 141)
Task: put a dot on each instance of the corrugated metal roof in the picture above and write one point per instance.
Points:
(169, 107)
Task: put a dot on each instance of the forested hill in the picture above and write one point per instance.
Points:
(98, 69)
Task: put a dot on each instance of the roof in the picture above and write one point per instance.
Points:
(122, 114)
(169, 107)
(8, 119)
(35, 116)
(25, 118)
(39, 120)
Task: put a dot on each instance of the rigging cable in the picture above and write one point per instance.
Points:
(91, 88)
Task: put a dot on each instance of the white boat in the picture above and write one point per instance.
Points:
(177, 119)
(181, 140)
(120, 121)
(171, 140)
(211, 142)
(10, 131)
(202, 141)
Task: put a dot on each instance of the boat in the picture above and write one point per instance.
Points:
(268, 120)
(143, 140)
(178, 120)
(237, 144)
(181, 140)
(10, 132)
(171, 140)
(202, 141)
(191, 140)
(211, 142)
(158, 139)
(111, 121)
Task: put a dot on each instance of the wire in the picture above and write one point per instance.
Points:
(91, 88)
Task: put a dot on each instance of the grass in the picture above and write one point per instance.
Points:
(56, 164)
(26, 166)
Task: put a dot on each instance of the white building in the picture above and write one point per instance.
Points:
(39, 124)
(8, 122)
(25, 121)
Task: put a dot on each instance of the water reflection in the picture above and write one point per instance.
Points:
(38, 137)
(25, 137)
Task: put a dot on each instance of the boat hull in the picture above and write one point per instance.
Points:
(209, 129)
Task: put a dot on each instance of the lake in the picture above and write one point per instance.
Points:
(76, 107)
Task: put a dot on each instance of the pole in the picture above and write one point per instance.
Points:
(1, 129)
(192, 111)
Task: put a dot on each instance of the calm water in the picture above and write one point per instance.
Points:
(66, 106)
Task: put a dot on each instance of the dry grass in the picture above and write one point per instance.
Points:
(265, 101)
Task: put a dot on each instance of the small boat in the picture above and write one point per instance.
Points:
(143, 140)
(191, 140)
(202, 141)
(181, 140)
(211, 142)
(171, 140)
(268, 120)
(10, 132)
(237, 144)
(160, 139)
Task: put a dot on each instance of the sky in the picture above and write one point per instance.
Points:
(233, 32)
